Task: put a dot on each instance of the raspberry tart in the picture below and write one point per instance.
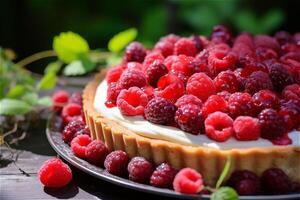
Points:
(193, 101)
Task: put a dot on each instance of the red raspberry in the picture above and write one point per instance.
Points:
(266, 99)
(226, 80)
(220, 60)
(290, 111)
(241, 104)
(246, 128)
(132, 102)
(244, 182)
(165, 47)
(131, 78)
(271, 124)
(267, 42)
(76, 97)
(214, 103)
(258, 81)
(221, 34)
(151, 57)
(54, 173)
(218, 126)
(201, 86)
(224, 94)
(140, 170)
(186, 47)
(170, 38)
(275, 181)
(113, 90)
(189, 118)
(135, 51)
(149, 91)
(85, 130)
(95, 153)
(188, 181)
(135, 66)
(114, 74)
(79, 145)
(116, 162)
(156, 70)
(71, 129)
(179, 64)
(265, 54)
(188, 99)
(279, 77)
(163, 176)
(160, 111)
(70, 111)
(283, 37)
(59, 99)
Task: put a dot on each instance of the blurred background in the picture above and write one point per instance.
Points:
(28, 26)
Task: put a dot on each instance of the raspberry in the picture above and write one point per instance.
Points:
(244, 182)
(131, 102)
(266, 99)
(59, 99)
(116, 162)
(156, 70)
(218, 126)
(54, 173)
(290, 111)
(224, 94)
(71, 129)
(179, 64)
(241, 104)
(226, 80)
(113, 90)
(85, 130)
(267, 42)
(131, 78)
(188, 99)
(135, 66)
(201, 86)
(76, 97)
(212, 104)
(258, 81)
(188, 181)
(79, 145)
(114, 74)
(279, 77)
(140, 170)
(95, 153)
(271, 124)
(221, 34)
(170, 38)
(198, 42)
(220, 60)
(135, 51)
(163, 176)
(264, 54)
(275, 181)
(69, 111)
(186, 47)
(247, 187)
(151, 57)
(189, 118)
(160, 111)
(246, 128)
(165, 47)
(149, 91)
(283, 37)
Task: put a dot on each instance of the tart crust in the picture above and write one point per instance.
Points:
(208, 161)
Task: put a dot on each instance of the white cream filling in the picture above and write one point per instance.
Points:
(145, 128)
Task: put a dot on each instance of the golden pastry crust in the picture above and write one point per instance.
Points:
(208, 161)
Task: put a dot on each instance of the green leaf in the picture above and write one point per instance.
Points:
(87, 63)
(224, 172)
(120, 40)
(14, 107)
(48, 82)
(53, 67)
(69, 45)
(113, 60)
(16, 91)
(74, 68)
(246, 21)
(225, 193)
(45, 101)
(30, 98)
(272, 20)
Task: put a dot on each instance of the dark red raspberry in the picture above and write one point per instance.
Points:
(246, 128)
(59, 99)
(70, 111)
(283, 37)
(214, 103)
(188, 181)
(186, 47)
(79, 145)
(244, 182)
(189, 118)
(54, 173)
(160, 111)
(200, 85)
(266, 99)
(188, 99)
(220, 60)
(132, 102)
(163, 176)
(265, 54)
(116, 162)
(76, 97)
(258, 81)
(218, 126)
(156, 70)
(290, 111)
(165, 47)
(247, 187)
(275, 181)
(198, 42)
(279, 77)
(266, 41)
(221, 34)
(131, 78)
(114, 74)
(95, 153)
(151, 57)
(241, 104)
(179, 64)
(135, 51)
(140, 170)
(71, 129)
(226, 80)
(224, 94)
(113, 90)
(271, 124)
(85, 130)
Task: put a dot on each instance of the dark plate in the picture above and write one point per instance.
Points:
(54, 138)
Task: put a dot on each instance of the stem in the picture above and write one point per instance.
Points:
(35, 57)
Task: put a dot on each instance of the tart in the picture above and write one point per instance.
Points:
(126, 122)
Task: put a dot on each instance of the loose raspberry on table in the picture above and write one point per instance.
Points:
(266, 99)
(189, 118)
(188, 99)
(244, 182)
(246, 128)
(140, 170)
(76, 97)
(160, 111)
(163, 176)
(185, 46)
(79, 145)
(214, 103)
(221, 34)
(95, 153)
(132, 102)
(69, 111)
(271, 124)
(151, 57)
(165, 47)
(188, 181)
(71, 129)
(280, 77)
(131, 78)
(200, 85)
(113, 90)
(116, 162)
(227, 81)
(218, 126)
(114, 74)
(291, 92)
(258, 81)
(54, 173)
(290, 112)
(156, 70)
(135, 51)
(59, 99)
(241, 104)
